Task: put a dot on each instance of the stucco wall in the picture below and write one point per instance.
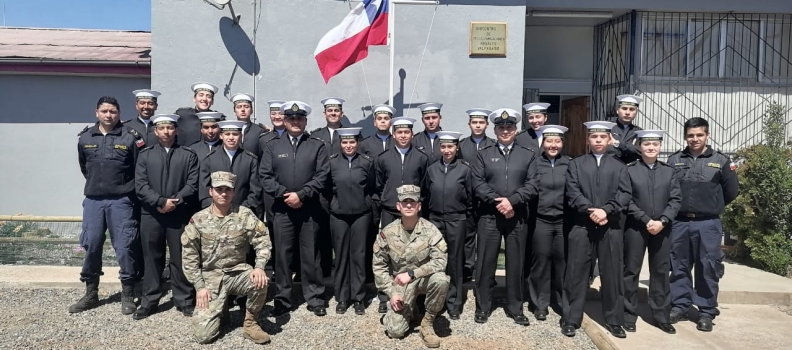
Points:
(40, 116)
(202, 45)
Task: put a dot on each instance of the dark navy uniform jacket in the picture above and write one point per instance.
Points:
(160, 175)
(497, 175)
(303, 170)
(108, 161)
(708, 182)
(353, 184)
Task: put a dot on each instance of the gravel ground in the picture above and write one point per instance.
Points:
(38, 318)
(784, 308)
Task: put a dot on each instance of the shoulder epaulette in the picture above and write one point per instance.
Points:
(421, 149)
(250, 154)
(265, 132)
(191, 150)
(664, 163)
(632, 163)
(134, 133)
(263, 127)
(333, 156)
(366, 157)
(126, 121)
(485, 147)
(210, 153)
(578, 156)
(521, 146)
(381, 153)
(147, 148)
(83, 130)
(277, 137)
(315, 130)
(316, 138)
(464, 162)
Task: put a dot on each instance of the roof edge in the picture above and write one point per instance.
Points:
(52, 61)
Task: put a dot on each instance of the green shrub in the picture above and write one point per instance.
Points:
(761, 216)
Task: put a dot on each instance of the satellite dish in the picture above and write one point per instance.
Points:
(222, 2)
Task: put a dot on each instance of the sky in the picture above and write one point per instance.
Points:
(81, 14)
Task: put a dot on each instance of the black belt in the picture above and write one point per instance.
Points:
(694, 216)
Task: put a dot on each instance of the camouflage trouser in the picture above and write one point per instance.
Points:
(434, 286)
(206, 322)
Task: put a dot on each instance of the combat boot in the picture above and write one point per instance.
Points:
(430, 339)
(128, 306)
(251, 329)
(90, 300)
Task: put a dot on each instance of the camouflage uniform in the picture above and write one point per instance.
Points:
(214, 258)
(424, 251)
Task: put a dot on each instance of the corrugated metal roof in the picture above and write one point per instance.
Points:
(75, 44)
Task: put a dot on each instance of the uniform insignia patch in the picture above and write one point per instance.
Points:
(505, 115)
(90, 146)
(191, 221)
(732, 166)
(260, 226)
(382, 234)
(120, 147)
(140, 143)
(283, 155)
(714, 165)
(495, 159)
(295, 108)
(679, 164)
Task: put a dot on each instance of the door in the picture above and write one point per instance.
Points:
(575, 112)
(529, 95)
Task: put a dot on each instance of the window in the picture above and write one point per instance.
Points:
(663, 46)
(777, 51)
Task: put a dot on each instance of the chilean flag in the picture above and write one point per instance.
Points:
(347, 43)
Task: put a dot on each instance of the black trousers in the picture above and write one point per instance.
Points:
(636, 242)
(325, 241)
(470, 247)
(350, 238)
(454, 232)
(386, 217)
(548, 264)
(156, 232)
(587, 244)
(491, 230)
(298, 227)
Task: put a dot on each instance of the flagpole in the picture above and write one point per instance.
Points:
(391, 37)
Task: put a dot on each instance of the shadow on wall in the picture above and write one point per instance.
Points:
(367, 118)
(240, 47)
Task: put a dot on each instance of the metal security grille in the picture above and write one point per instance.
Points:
(724, 67)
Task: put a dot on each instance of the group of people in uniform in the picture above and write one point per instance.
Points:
(420, 214)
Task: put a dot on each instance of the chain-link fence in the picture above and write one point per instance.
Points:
(45, 240)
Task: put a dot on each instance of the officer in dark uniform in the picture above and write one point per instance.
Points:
(333, 112)
(468, 150)
(243, 109)
(536, 116)
(265, 213)
(708, 183)
(210, 134)
(449, 188)
(504, 182)
(294, 172)
(352, 178)
(166, 182)
(426, 139)
(382, 139)
(231, 158)
(107, 154)
(656, 198)
(189, 123)
(146, 105)
(402, 164)
(598, 191)
(551, 215)
(623, 144)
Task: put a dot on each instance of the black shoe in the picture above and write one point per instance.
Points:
(342, 307)
(278, 310)
(667, 327)
(383, 307)
(630, 327)
(481, 317)
(704, 324)
(187, 311)
(144, 312)
(89, 301)
(540, 315)
(616, 331)
(360, 309)
(317, 310)
(519, 319)
(128, 306)
(453, 314)
(677, 316)
(568, 329)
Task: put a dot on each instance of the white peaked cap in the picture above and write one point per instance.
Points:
(203, 87)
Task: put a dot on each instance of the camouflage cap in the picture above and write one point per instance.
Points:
(223, 178)
(406, 192)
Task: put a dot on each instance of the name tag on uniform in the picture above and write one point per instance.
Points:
(495, 159)
(714, 165)
(120, 147)
(90, 146)
(679, 164)
(285, 155)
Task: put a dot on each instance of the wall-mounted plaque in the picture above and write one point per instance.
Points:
(488, 39)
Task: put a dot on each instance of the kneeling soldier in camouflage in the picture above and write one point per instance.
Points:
(215, 243)
(415, 251)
